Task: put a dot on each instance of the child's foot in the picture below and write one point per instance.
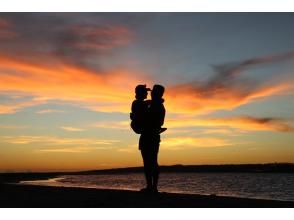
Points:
(162, 130)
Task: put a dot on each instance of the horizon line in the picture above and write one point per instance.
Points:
(133, 167)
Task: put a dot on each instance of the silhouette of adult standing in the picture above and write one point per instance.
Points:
(150, 138)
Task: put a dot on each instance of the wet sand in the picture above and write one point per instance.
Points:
(13, 195)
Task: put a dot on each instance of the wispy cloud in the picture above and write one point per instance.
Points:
(222, 131)
(80, 42)
(125, 125)
(98, 37)
(47, 111)
(13, 126)
(67, 128)
(53, 140)
(68, 150)
(226, 90)
(71, 39)
(129, 149)
(11, 108)
(181, 143)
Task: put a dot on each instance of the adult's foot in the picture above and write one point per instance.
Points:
(155, 191)
(146, 190)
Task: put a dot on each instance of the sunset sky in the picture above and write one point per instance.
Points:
(67, 83)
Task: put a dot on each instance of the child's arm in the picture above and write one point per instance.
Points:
(148, 102)
(162, 130)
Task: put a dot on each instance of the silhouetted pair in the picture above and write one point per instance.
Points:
(147, 119)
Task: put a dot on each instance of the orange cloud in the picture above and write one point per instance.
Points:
(101, 91)
(244, 123)
(186, 99)
(225, 90)
(113, 91)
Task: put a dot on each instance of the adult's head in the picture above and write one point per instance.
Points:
(141, 91)
(157, 92)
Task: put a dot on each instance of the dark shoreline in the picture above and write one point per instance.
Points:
(28, 196)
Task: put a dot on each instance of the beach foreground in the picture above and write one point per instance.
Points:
(13, 195)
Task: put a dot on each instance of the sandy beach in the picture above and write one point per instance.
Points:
(13, 196)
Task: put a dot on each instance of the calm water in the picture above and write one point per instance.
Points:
(249, 185)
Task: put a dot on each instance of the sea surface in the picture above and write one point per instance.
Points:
(275, 186)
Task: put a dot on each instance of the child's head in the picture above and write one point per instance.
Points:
(141, 92)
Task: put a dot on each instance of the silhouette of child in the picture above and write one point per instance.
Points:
(140, 109)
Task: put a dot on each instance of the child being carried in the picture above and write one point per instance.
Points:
(140, 110)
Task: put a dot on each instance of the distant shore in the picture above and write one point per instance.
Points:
(228, 168)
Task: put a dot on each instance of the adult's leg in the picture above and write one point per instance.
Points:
(147, 168)
(154, 162)
(143, 144)
(155, 172)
